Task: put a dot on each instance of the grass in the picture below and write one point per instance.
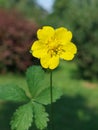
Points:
(14, 79)
(77, 110)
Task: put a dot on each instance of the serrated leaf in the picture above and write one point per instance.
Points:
(45, 98)
(11, 92)
(41, 117)
(22, 118)
(36, 79)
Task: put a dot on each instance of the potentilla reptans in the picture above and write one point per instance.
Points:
(53, 45)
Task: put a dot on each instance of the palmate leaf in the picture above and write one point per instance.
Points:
(11, 92)
(22, 118)
(45, 98)
(41, 117)
(38, 83)
(36, 79)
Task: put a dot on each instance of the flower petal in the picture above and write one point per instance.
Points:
(50, 62)
(38, 49)
(67, 56)
(36, 45)
(54, 62)
(68, 51)
(62, 35)
(70, 47)
(45, 33)
(37, 53)
(45, 61)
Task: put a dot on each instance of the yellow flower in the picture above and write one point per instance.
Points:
(53, 44)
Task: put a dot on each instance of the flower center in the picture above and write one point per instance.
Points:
(54, 47)
(55, 50)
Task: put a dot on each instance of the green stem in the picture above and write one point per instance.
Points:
(51, 96)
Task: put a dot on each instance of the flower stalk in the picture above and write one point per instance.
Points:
(51, 46)
(51, 100)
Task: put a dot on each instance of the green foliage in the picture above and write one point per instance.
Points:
(76, 110)
(38, 83)
(39, 96)
(41, 117)
(28, 8)
(81, 18)
(11, 92)
(59, 16)
(44, 96)
(6, 4)
(87, 40)
(36, 79)
(22, 118)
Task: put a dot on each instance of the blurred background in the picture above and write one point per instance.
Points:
(19, 21)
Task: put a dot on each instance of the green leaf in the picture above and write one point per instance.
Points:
(11, 92)
(22, 118)
(36, 79)
(41, 117)
(44, 96)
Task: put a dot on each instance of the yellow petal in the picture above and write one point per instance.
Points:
(37, 53)
(45, 61)
(50, 62)
(38, 49)
(62, 35)
(54, 62)
(46, 33)
(36, 45)
(70, 47)
(67, 56)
